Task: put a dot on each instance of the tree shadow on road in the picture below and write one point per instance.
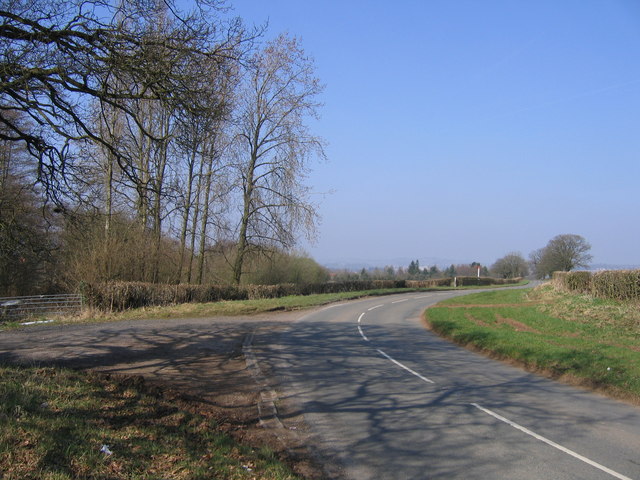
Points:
(380, 421)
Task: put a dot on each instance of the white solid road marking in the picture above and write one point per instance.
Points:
(424, 379)
(552, 443)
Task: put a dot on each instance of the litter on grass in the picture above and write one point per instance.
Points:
(105, 449)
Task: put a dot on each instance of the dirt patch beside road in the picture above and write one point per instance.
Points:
(196, 360)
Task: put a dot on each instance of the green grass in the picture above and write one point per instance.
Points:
(54, 422)
(579, 339)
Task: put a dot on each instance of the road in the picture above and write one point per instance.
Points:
(387, 399)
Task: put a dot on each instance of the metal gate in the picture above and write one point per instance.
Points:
(40, 305)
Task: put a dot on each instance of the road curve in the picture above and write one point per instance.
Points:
(387, 399)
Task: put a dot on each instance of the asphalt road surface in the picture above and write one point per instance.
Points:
(387, 399)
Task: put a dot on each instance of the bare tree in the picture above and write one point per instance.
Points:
(564, 252)
(60, 56)
(273, 148)
(512, 265)
(204, 184)
(110, 90)
(189, 143)
(108, 79)
(535, 262)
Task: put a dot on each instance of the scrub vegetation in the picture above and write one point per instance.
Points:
(575, 338)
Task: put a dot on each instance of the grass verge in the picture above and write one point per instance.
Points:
(243, 307)
(577, 339)
(232, 308)
(58, 424)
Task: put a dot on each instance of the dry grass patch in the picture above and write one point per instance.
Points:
(586, 309)
(58, 424)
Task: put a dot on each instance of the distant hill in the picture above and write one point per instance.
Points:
(355, 265)
(608, 266)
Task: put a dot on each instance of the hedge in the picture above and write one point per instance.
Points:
(609, 284)
(117, 296)
(579, 282)
(436, 282)
(483, 281)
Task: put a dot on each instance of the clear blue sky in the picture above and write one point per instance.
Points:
(464, 130)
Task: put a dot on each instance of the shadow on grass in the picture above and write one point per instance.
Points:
(59, 423)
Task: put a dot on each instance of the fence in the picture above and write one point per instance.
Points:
(40, 305)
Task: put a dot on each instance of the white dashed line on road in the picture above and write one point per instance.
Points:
(362, 333)
(360, 328)
(388, 357)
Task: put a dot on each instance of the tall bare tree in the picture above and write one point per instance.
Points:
(109, 89)
(60, 56)
(200, 139)
(273, 149)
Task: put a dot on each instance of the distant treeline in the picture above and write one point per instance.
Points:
(412, 272)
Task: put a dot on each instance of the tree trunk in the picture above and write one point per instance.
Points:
(205, 216)
(157, 207)
(241, 246)
(185, 215)
(107, 222)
